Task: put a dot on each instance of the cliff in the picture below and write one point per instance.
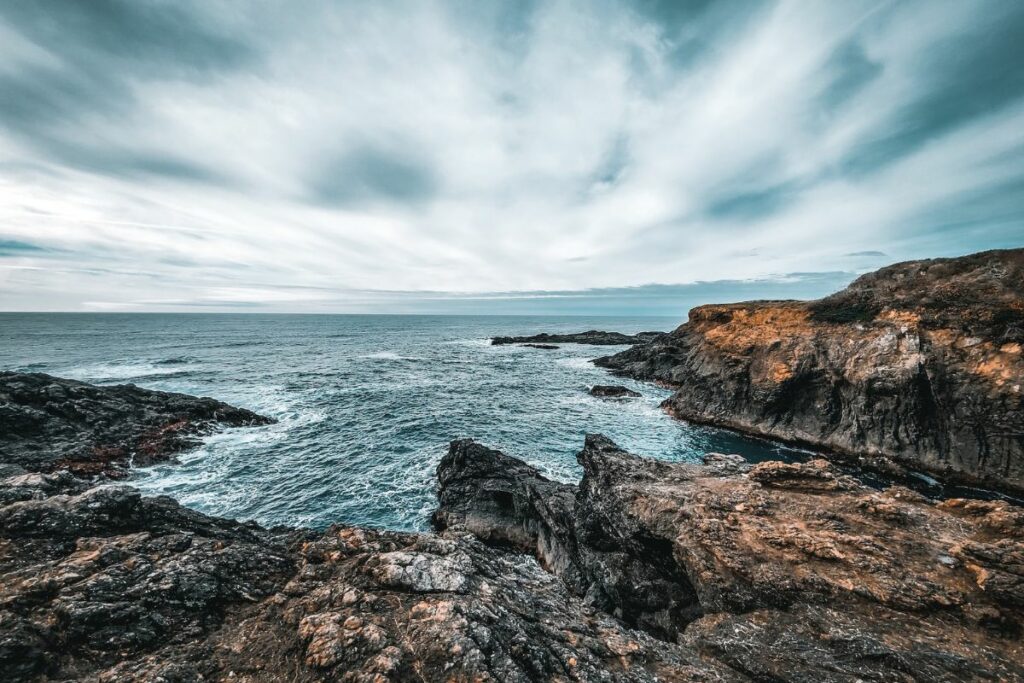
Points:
(918, 364)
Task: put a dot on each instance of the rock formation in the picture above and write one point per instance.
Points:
(919, 364)
(595, 337)
(100, 583)
(783, 572)
(50, 423)
(612, 391)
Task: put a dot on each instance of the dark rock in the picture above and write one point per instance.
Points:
(919, 365)
(50, 424)
(788, 573)
(546, 347)
(595, 337)
(610, 391)
(103, 584)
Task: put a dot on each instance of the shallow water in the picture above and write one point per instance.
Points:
(366, 404)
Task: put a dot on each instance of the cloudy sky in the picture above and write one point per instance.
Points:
(597, 156)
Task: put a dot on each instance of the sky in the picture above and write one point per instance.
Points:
(599, 157)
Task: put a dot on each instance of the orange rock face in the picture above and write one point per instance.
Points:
(919, 363)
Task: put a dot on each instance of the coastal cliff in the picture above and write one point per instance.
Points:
(918, 365)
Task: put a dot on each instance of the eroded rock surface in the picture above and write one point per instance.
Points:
(50, 423)
(920, 364)
(101, 584)
(785, 572)
(595, 337)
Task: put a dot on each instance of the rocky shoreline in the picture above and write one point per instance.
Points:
(644, 571)
(52, 424)
(919, 365)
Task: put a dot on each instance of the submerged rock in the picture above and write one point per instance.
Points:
(918, 365)
(545, 347)
(595, 337)
(787, 573)
(610, 391)
(51, 423)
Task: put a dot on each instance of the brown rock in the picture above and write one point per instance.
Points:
(918, 364)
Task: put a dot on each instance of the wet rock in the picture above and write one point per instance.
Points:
(918, 365)
(51, 424)
(545, 347)
(595, 337)
(610, 391)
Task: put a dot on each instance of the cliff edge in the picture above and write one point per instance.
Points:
(919, 364)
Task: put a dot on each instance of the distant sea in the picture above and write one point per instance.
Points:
(366, 404)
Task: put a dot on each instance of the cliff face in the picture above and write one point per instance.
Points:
(920, 362)
(782, 572)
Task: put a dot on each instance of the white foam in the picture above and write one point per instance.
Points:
(123, 370)
(389, 355)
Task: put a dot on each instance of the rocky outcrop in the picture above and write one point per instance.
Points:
(612, 391)
(543, 347)
(595, 337)
(102, 584)
(99, 583)
(783, 572)
(919, 365)
(51, 423)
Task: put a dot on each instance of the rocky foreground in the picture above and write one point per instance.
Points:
(647, 572)
(780, 572)
(919, 365)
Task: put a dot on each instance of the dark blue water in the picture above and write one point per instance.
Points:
(366, 404)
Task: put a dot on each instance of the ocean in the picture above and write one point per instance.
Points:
(366, 405)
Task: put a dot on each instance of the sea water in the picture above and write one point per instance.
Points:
(366, 405)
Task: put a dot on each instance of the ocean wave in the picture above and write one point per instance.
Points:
(389, 355)
(124, 371)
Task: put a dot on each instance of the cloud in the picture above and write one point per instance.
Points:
(18, 248)
(369, 174)
(225, 156)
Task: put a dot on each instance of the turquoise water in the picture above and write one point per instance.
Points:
(366, 404)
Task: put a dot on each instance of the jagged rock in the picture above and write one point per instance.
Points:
(783, 572)
(595, 337)
(545, 347)
(51, 423)
(920, 363)
(106, 585)
(100, 583)
(611, 391)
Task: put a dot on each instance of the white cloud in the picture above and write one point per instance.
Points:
(298, 153)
